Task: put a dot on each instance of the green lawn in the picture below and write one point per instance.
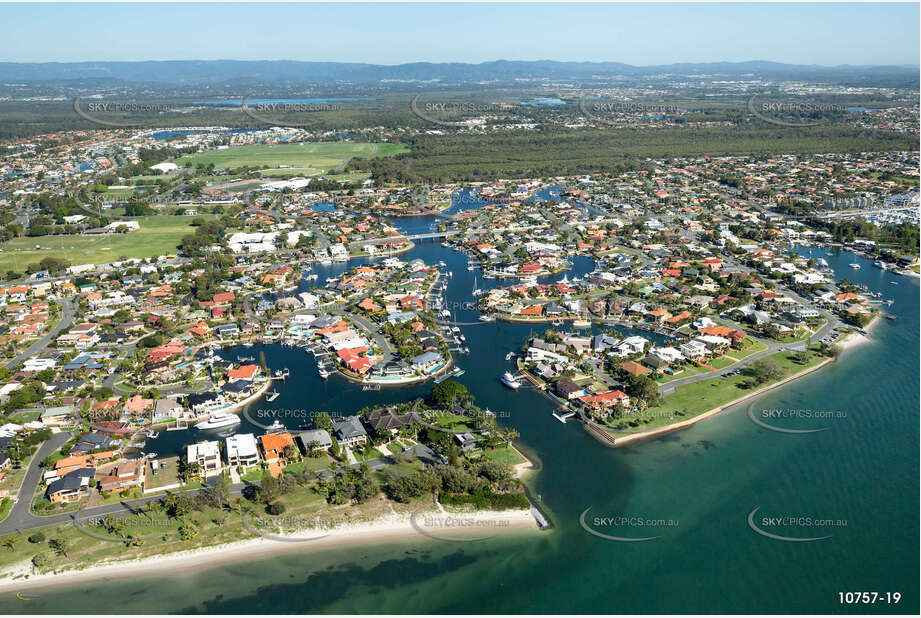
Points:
(321, 156)
(159, 234)
(6, 505)
(506, 455)
(705, 395)
(721, 362)
(749, 347)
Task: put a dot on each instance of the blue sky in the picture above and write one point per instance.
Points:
(827, 34)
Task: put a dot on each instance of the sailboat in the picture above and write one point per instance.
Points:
(476, 291)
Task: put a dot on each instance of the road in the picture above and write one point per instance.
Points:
(67, 317)
(20, 516)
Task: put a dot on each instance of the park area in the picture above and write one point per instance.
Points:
(159, 234)
(312, 159)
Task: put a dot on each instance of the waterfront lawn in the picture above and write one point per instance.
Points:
(506, 455)
(159, 234)
(691, 400)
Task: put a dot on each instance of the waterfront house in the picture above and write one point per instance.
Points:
(349, 430)
(242, 450)
(568, 389)
(382, 420)
(207, 455)
(319, 437)
(273, 446)
(427, 361)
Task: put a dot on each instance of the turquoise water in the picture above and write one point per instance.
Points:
(706, 479)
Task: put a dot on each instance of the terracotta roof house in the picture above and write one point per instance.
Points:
(635, 369)
(244, 372)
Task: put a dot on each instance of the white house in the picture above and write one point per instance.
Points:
(207, 455)
(242, 450)
(693, 349)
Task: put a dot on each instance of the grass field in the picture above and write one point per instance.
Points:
(159, 234)
(322, 156)
(506, 455)
(700, 397)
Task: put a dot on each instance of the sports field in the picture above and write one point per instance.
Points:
(323, 156)
(159, 234)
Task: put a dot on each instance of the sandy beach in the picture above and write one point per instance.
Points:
(450, 526)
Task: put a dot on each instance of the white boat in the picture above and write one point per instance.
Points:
(510, 356)
(216, 421)
(154, 434)
(487, 318)
(323, 373)
(272, 396)
(247, 344)
(326, 262)
(275, 427)
(855, 266)
(581, 323)
(509, 380)
(879, 264)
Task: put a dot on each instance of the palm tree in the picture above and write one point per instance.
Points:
(10, 543)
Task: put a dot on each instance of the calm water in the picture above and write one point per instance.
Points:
(707, 479)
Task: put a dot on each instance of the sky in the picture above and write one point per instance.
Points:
(637, 34)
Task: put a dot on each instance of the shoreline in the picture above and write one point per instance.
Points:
(849, 341)
(20, 577)
(620, 441)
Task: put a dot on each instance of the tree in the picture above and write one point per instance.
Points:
(764, 370)
(10, 543)
(323, 421)
(59, 546)
(188, 531)
(449, 392)
(275, 508)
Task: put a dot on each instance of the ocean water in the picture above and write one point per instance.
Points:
(693, 490)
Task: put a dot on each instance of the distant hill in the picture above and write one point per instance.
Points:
(294, 72)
